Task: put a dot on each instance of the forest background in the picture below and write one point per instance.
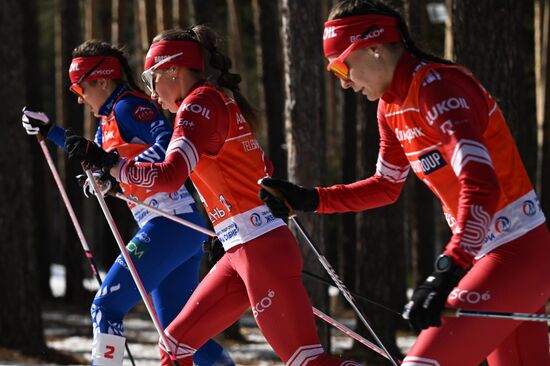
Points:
(315, 132)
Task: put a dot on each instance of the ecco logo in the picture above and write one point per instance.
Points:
(445, 106)
(374, 34)
(471, 297)
(329, 33)
(263, 304)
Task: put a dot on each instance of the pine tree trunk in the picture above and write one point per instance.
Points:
(270, 70)
(502, 67)
(303, 62)
(380, 246)
(68, 114)
(20, 319)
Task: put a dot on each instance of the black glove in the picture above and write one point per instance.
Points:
(86, 151)
(213, 247)
(299, 198)
(429, 298)
(36, 122)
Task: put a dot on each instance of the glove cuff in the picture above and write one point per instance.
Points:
(310, 200)
(110, 159)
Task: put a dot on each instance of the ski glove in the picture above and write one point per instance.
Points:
(104, 180)
(213, 247)
(86, 151)
(299, 198)
(36, 122)
(429, 298)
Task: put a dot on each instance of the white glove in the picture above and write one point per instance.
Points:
(105, 185)
(36, 122)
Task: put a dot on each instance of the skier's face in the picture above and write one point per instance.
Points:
(95, 93)
(165, 89)
(369, 73)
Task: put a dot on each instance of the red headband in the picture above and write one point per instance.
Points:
(108, 69)
(340, 33)
(192, 55)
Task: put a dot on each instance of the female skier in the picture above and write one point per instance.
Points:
(166, 255)
(435, 118)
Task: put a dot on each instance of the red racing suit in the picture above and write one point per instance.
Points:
(440, 121)
(213, 143)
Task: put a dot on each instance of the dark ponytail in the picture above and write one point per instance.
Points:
(210, 41)
(96, 47)
(347, 8)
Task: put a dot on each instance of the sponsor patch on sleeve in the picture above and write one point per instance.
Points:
(144, 113)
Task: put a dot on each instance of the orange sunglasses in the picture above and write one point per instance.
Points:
(338, 66)
(76, 87)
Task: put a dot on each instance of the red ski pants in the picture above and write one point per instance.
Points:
(515, 277)
(265, 274)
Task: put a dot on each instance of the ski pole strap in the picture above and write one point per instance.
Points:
(458, 313)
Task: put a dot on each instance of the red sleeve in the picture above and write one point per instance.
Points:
(200, 127)
(455, 108)
(379, 190)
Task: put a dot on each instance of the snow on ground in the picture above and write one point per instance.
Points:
(71, 332)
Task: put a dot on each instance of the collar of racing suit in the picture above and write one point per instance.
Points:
(401, 81)
(107, 107)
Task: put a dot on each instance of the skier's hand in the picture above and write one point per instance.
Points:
(35, 122)
(213, 247)
(86, 151)
(279, 194)
(429, 298)
(105, 182)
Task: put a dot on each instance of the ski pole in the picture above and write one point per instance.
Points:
(162, 213)
(129, 262)
(458, 313)
(359, 296)
(75, 222)
(332, 273)
(211, 233)
(349, 332)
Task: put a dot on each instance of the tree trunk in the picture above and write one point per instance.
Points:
(270, 74)
(40, 171)
(380, 246)
(20, 319)
(303, 62)
(504, 70)
(67, 35)
(542, 57)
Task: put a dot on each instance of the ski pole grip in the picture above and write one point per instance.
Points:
(275, 193)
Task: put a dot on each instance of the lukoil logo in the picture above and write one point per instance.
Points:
(445, 106)
(197, 108)
(471, 297)
(74, 67)
(263, 304)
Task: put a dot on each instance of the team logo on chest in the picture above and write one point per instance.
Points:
(428, 163)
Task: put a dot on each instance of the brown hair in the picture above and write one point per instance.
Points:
(347, 8)
(95, 47)
(210, 41)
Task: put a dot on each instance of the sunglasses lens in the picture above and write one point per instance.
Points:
(77, 89)
(339, 69)
(147, 77)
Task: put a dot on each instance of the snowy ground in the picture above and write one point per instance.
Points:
(70, 332)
